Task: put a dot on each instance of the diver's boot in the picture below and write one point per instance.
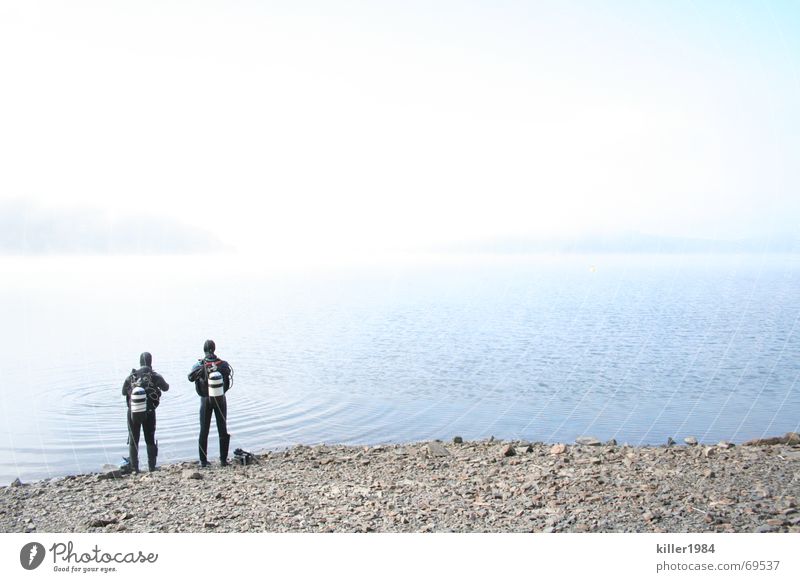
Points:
(203, 457)
(224, 443)
(152, 455)
(133, 450)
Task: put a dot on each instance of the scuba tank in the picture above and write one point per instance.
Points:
(138, 399)
(215, 382)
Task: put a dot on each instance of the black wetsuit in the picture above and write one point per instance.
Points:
(143, 420)
(216, 405)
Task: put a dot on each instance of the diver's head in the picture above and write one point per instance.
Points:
(146, 359)
(209, 347)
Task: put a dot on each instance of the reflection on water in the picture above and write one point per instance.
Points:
(544, 348)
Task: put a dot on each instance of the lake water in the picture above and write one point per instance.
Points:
(542, 348)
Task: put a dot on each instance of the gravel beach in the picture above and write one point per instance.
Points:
(485, 486)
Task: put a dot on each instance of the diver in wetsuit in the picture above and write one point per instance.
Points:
(142, 390)
(212, 378)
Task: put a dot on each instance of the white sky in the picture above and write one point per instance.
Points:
(306, 125)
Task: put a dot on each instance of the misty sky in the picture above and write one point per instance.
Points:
(354, 125)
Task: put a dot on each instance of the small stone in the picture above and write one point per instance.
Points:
(558, 449)
(775, 522)
(16, 483)
(691, 441)
(457, 440)
(191, 474)
(30, 527)
(116, 474)
(509, 451)
(209, 525)
(649, 516)
(436, 449)
(761, 493)
(709, 473)
(670, 441)
(765, 529)
(101, 522)
(611, 443)
(588, 441)
(725, 445)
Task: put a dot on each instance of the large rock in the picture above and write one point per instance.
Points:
(691, 441)
(790, 438)
(763, 442)
(558, 449)
(725, 445)
(16, 483)
(436, 449)
(457, 440)
(588, 441)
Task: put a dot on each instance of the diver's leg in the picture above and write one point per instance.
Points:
(150, 439)
(134, 426)
(221, 415)
(205, 425)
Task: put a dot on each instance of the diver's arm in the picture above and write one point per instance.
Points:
(160, 382)
(194, 374)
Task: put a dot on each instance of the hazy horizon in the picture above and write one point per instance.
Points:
(363, 127)
(28, 230)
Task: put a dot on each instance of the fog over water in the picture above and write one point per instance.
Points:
(536, 347)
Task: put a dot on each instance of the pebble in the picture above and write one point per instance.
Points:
(691, 441)
(558, 449)
(588, 441)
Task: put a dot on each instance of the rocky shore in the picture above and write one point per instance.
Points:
(486, 486)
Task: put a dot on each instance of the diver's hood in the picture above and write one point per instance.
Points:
(146, 359)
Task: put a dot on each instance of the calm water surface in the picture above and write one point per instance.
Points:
(638, 348)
